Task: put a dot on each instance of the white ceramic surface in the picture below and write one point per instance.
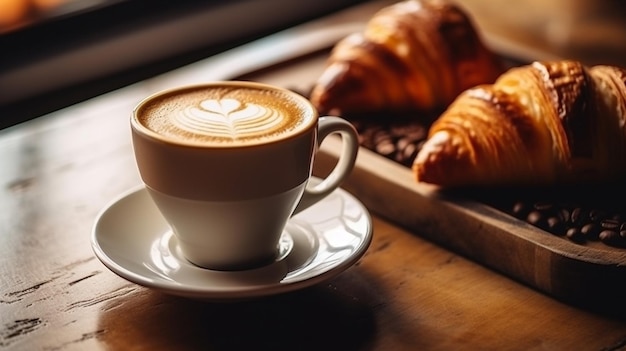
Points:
(133, 240)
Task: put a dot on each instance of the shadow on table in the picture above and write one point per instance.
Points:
(318, 318)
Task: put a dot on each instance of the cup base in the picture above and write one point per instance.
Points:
(283, 249)
(244, 266)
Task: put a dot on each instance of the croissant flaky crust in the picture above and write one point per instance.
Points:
(415, 55)
(540, 124)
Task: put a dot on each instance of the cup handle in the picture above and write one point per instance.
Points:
(350, 146)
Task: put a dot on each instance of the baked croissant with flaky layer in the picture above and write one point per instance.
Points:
(415, 55)
(540, 124)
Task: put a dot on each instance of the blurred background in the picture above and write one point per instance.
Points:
(54, 53)
(593, 31)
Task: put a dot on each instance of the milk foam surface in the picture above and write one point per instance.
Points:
(226, 115)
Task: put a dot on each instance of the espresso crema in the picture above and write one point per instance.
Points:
(226, 115)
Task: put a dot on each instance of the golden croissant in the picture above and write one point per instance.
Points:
(415, 55)
(544, 123)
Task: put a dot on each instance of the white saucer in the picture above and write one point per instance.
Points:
(132, 239)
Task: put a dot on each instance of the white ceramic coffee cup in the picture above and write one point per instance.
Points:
(228, 203)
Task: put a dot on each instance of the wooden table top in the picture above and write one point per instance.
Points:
(58, 171)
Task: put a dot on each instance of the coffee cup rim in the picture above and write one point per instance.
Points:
(147, 132)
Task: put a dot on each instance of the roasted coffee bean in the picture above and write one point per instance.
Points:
(403, 143)
(400, 129)
(367, 137)
(564, 214)
(597, 215)
(405, 127)
(408, 154)
(382, 136)
(535, 218)
(364, 140)
(610, 237)
(543, 206)
(555, 226)
(420, 145)
(575, 235)
(385, 148)
(541, 221)
(520, 209)
(417, 134)
(578, 216)
(610, 224)
(591, 231)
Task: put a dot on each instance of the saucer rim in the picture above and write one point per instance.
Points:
(232, 292)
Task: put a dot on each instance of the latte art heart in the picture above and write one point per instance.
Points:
(228, 118)
(227, 115)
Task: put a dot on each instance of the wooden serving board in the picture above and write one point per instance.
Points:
(585, 275)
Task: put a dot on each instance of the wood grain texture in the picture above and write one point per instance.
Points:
(57, 173)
